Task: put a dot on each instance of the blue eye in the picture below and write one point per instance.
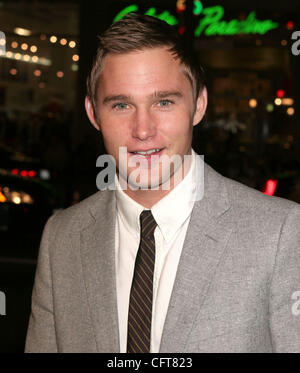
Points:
(165, 103)
(120, 106)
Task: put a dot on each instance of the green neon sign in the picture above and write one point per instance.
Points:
(212, 24)
(127, 10)
(211, 21)
(164, 16)
(197, 7)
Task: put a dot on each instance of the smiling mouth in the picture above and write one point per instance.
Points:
(149, 152)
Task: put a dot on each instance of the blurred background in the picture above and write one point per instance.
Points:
(48, 149)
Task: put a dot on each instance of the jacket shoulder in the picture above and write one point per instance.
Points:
(246, 198)
(80, 215)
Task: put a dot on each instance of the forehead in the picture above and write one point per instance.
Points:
(141, 71)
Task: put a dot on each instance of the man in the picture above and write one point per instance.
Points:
(145, 268)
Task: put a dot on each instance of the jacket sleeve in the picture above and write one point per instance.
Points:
(41, 329)
(284, 304)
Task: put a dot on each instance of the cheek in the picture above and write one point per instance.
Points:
(114, 132)
(176, 125)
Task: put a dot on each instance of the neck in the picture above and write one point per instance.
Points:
(147, 198)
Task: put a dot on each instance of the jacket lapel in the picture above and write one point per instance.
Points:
(98, 262)
(209, 230)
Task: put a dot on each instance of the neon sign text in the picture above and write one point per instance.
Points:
(211, 21)
(212, 24)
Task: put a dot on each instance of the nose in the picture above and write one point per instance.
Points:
(144, 126)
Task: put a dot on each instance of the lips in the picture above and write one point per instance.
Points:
(147, 153)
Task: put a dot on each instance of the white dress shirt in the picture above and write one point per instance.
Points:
(172, 214)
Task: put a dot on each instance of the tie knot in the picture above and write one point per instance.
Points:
(148, 223)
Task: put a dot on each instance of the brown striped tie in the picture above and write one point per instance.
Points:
(140, 304)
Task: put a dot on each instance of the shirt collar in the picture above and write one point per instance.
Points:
(128, 209)
(170, 212)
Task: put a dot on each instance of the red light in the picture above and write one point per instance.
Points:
(280, 93)
(15, 171)
(31, 173)
(270, 187)
(23, 173)
(181, 30)
(290, 25)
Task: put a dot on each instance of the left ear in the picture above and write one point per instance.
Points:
(200, 106)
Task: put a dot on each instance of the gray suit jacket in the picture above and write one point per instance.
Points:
(234, 289)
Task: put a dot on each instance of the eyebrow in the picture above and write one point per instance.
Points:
(114, 98)
(158, 94)
(164, 94)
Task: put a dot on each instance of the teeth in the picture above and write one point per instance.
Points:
(148, 152)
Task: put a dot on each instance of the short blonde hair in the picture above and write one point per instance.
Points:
(137, 32)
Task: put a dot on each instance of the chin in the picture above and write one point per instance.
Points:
(143, 182)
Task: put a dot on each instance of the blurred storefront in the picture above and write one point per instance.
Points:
(38, 87)
(250, 131)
